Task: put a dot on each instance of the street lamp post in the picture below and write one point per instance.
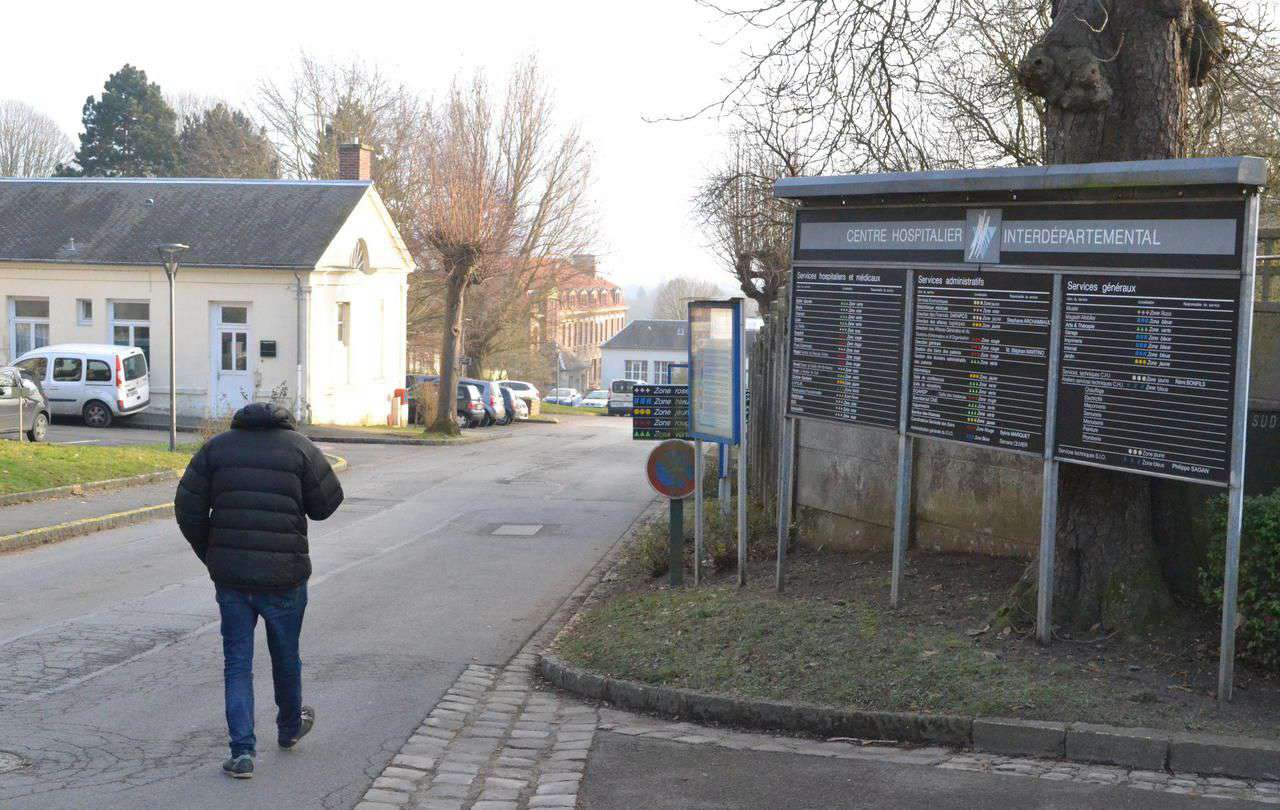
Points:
(170, 253)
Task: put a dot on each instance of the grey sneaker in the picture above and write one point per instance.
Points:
(308, 720)
(240, 767)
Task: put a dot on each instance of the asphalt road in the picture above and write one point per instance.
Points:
(110, 660)
(625, 773)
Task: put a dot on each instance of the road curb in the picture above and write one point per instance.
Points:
(1135, 748)
(77, 528)
(105, 485)
(320, 437)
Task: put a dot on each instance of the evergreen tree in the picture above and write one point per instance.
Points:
(130, 131)
(224, 142)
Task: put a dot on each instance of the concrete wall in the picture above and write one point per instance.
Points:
(966, 498)
(1264, 376)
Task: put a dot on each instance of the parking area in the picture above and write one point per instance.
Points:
(65, 430)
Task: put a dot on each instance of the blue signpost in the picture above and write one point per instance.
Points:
(671, 474)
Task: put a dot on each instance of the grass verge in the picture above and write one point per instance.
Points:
(832, 639)
(26, 467)
(555, 407)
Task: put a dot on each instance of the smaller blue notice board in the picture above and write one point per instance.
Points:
(715, 370)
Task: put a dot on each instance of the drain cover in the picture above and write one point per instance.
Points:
(10, 762)
(518, 529)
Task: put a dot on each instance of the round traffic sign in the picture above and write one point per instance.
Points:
(670, 469)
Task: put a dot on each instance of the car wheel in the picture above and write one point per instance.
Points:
(39, 428)
(97, 414)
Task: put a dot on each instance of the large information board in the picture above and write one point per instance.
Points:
(846, 345)
(714, 378)
(1147, 374)
(980, 358)
(659, 412)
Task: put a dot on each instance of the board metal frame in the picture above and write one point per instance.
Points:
(734, 305)
(1242, 192)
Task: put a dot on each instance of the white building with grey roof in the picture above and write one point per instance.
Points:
(288, 287)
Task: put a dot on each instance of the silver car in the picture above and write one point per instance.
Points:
(23, 408)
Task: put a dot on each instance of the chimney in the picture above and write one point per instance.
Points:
(355, 161)
(584, 263)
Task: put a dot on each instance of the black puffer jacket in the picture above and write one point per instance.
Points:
(244, 500)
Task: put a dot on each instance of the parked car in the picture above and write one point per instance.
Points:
(564, 396)
(598, 398)
(515, 405)
(491, 393)
(527, 392)
(620, 396)
(470, 404)
(95, 382)
(21, 399)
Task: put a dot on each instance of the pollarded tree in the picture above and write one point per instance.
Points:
(31, 144)
(129, 131)
(503, 189)
(748, 227)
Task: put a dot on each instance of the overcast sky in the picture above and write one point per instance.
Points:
(611, 65)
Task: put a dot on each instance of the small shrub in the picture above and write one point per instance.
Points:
(1259, 590)
(720, 538)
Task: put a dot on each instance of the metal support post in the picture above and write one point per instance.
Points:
(1049, 475)
(22, 395)
(906, 450)
(742, 451)
(1235, 495)
(786, 477)
(699, 466)
(722, 484)
(675, 562)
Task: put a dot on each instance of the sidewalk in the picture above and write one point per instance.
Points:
(38, 514)
(324, 433)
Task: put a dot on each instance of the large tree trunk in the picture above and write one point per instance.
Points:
(446, 409)
(1115, 76)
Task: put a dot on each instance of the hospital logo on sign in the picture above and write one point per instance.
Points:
(982, 236)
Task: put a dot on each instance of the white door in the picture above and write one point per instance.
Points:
(232, 387)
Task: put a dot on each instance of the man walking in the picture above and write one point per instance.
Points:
(243, 505)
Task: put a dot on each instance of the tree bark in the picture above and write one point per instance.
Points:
(1115, 75)
(454, 295)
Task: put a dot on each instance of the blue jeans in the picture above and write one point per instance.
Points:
(282, 614)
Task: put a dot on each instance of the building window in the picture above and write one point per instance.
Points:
(84, 311)
(234, 314)
(28, 324)
(660, 370)
(636, 369)
(131, 325)
(344, 323)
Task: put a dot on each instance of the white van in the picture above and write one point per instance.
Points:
(95, 382)
(620, 396)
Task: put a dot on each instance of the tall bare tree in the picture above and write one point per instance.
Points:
(504, 187)
(874, 86)
(322, 105)
(671, 300)
(31, 144)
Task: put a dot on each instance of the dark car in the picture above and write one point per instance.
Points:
(23, 408)
(494, 406)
